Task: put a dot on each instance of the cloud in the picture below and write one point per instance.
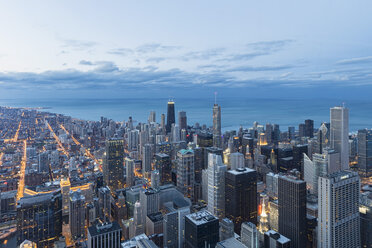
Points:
(259, 68)
(85, 62)
(156, 59)
(286, 74)
(273, 46)
(107, 75)
(354, 61)
(121, 51)
(105, 66)
(155, 47)
(78, 44)
(203, 55)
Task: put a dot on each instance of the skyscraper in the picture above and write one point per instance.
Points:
(149, 199)
(113, 170)
(138, 219)
(338, 214)
(292, 209)
(249, 235)
(339, 133)
(272, 239)
(241, 196)
(39, 218)
(162, 123)
(176, 134)
(226, 229)
(65, 191)
(182, 120)
(365, 210)
(269, 133)
(152, 116)
(309, 128)
(147, 158)
(201, 230)
(217, 139)
(171, 119)
(365, 153)
(185, 172)
(105, 235)
(129, 166)
(216, 185)
(236, 160)
(104, 201)
(77, 214)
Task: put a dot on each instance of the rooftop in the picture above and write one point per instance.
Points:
(277, 236)
(103, 228)
(240, 171)
(201, 217)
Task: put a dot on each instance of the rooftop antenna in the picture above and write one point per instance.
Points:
(215, 97)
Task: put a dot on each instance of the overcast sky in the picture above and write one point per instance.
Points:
(122, 47)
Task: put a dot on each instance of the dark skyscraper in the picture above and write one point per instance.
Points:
(365, 153)
(217, 139)
(171, 119)
(39, 218)
(113, 171)
(309, 128)
(292, 209)
(241, 196)
(182, 120)
(201, 230)
(301, 130)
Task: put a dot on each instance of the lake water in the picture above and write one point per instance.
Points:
(235, 111)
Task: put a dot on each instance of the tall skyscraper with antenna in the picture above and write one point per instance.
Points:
(340, 134)
(217, 140)
(170, 115)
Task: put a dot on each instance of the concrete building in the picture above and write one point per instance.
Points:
(338, 215)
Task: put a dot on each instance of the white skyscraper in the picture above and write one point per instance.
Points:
(216, 185)
(339, 134)
(138, 223)
(321, 165)
(236, 160)
(338, 214)
(176, 135)
(249, 235)
(133, 139)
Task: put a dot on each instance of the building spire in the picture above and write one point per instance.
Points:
(215, 97)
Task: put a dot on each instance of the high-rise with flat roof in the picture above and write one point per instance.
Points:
(241, 196)
(171, 119)
(185, 172)
(104, 202)
(104, 235)
(273, 239)
(77, 214)
(292, 209)
(249, 235)
(338, 213)
(39, 218)
(216, 185)
(365, 153)
(201, 230)
(339, 133)
(182, 120)
(113, 167)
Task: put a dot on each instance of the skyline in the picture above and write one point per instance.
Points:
(79, 49)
